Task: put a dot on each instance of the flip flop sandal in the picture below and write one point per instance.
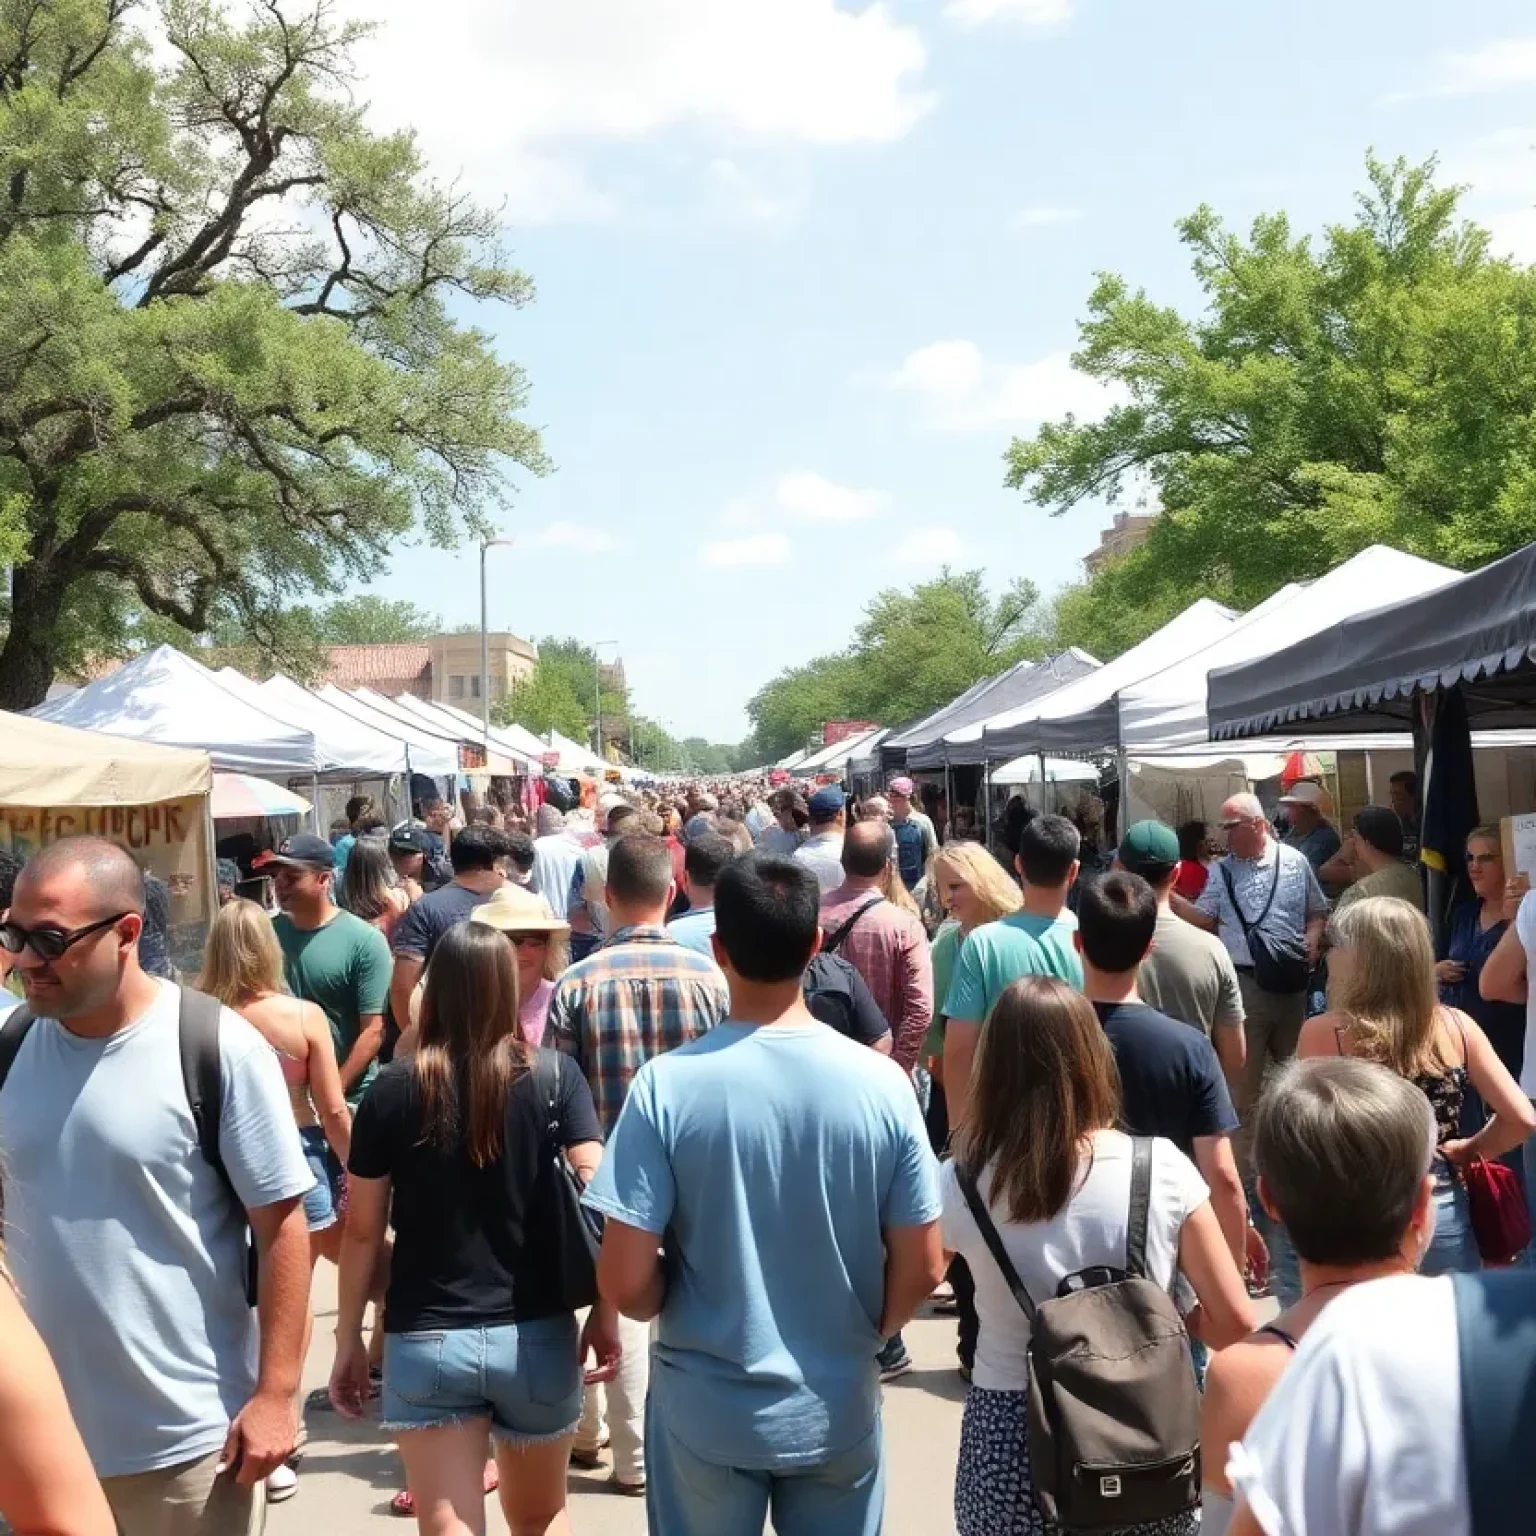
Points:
(405, 1506)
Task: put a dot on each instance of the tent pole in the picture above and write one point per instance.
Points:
(949, 793)
(1123, 808)
(1043, 805)
(986, 799)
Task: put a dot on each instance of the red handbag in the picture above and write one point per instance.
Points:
(1501, 1219)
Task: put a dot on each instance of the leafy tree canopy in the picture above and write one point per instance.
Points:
(912, 652)
(230, 368)
(1377, 385)
(371, 620)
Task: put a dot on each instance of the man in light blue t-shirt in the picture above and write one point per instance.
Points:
(789, 1172)
(1035, 941)
(706, 856)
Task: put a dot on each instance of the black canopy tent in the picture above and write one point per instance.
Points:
(1478, 634)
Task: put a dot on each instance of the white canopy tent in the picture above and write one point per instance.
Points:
(794, 760)
(832, 759)
(377, 750)
(449, 730)
(1058, 770)
(436, 717)
(429, 752)
(574, 758)
(46, 764)
(516, 738)
(1019, 731)
(165, 696)
(1167, 709)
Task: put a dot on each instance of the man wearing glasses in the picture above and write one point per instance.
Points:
(127, 1248)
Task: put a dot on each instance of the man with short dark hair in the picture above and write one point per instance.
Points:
(640, 995)
(1034, 941)
(1403, 795)
(517, 866)
(475, 854)
(1188, 974)
(1376, 855)
(704, 859)
(822, 851)
(789, 1172)
(1170, 1080)
(408, 850)
(585, 908)
(127, 1246)
(791, 816)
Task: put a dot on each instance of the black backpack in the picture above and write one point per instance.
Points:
(202, 1078)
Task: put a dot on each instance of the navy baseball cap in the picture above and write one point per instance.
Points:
(409, 840)
(303, 851)
(826, 803)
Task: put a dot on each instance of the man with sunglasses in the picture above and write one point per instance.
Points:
(126, 1245)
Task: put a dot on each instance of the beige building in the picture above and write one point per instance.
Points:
(455, 666)
(1122, 536)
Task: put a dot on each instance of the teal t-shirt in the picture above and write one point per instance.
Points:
(946, 950)
(345, 968)
(998, 954)
(772, 1159)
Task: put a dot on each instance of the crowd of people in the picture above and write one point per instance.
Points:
(638, 1134)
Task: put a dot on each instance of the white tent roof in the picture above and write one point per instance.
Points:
(516, 738)
(1026, 770)
(167, 697)
(794, 759)
(831, 758)
(449, 730)
(344, 746)
(430, 752)
(436, 717)
(1011, 733)
(575, 758)
(1166, 708)
(43, 764)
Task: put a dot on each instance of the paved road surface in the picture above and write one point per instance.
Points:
(349, 1474)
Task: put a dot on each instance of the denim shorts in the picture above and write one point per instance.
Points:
(320, 1199)
(524, 1377)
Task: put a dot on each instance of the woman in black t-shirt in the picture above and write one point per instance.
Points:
(451, 1147)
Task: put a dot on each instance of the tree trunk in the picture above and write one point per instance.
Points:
(27, 659)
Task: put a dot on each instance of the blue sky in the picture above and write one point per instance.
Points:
(804, 268)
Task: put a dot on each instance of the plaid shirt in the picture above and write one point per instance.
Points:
(641, 994)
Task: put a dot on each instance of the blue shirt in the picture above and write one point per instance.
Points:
(1470, 943)
(773, 1158)
(694, 929)
(997, 954)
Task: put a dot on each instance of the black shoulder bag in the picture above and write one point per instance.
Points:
(576, 1231)
(1279, 959)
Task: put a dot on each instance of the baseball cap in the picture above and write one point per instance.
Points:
(514, 910)
(901, 786)
(409, 840)
(826, 803)
(303, 851)
(1303, 793)
(1149, 849)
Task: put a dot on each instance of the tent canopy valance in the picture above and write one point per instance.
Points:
(45, 764)
(1478, 632)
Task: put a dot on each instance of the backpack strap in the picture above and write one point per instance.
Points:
(13, 1034)
(1496, 1345)
(1141, 1207)
(994, 1242)
(202, 1076)
(546, 1074)
(830, 946)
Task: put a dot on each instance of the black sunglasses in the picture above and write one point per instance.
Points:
(50, 943)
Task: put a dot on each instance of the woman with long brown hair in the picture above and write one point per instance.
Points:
(1040, 1144)
(1384, 1006)
(454, 1147)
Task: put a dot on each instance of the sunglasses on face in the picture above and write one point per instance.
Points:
(50, 943)
(1231, 826)
(525, 940)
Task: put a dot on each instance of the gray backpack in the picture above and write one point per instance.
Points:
(1114, 1411)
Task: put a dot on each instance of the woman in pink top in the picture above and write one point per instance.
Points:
(542, 943)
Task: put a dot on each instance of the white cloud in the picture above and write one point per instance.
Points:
(960, 391)
(743, 197)
(511, 90)
(819, 500)
(1032, 13)
(929, 546)
(590, 541)
(1041, 218)
(756, 549)
(1499, 171)
(1496, 67)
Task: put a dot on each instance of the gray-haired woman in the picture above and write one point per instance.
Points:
(1343, 1149)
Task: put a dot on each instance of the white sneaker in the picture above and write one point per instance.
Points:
(282, 1484)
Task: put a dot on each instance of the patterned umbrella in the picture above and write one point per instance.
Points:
(237, 795)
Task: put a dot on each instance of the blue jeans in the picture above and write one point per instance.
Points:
(524, 1377)
(688, 1496)
(1453, 1249)
(1284, 1265)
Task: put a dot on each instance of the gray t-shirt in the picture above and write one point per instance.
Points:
(123, 1243)
(1189, 976)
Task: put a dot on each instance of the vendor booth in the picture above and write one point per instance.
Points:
(56, 782)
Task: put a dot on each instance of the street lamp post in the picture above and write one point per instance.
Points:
(597, 691)
(485, 651)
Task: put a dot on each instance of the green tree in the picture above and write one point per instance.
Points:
(911, 652)
(370, 620)
(1375, 386)
(231, 368)
(544, 701)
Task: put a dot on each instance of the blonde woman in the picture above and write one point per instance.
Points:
(46, 1480)
(243, 968)
(1383, 1007)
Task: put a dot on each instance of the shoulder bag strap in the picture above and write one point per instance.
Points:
(13, 1034)
(1141, 1207)
(202, 1076)
(546, 1071)
(989, 1236)
(830, 946)
(1274, 888)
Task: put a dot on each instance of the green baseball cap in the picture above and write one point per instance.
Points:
(1149, 849)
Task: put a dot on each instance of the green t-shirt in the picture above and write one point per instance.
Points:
(998, 954)
(946, 950)
(345, 968)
